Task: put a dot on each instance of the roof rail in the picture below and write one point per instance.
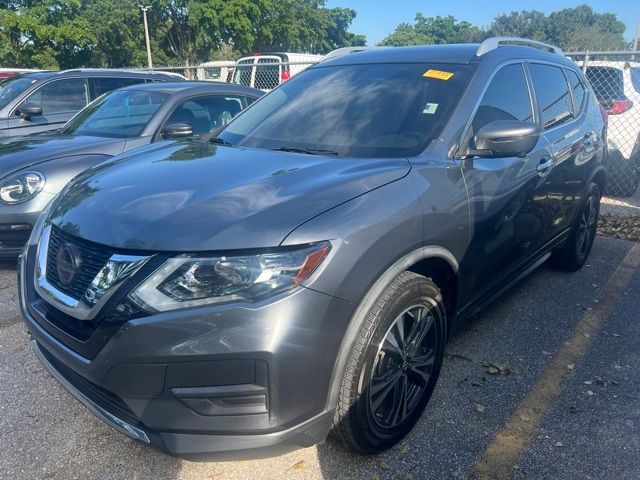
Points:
(339, 52)
(494, 42)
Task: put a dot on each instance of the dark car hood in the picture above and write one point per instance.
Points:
(19, 153)
(196, 196)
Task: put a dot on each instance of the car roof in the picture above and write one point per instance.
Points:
(97, 72)
(191, 87)
(450, 53)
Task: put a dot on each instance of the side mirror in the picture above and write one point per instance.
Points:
(28, 110)
(506, 138)
(177, 130)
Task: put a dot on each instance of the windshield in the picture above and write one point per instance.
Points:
(12, 87)
(374, 110)
(119, 114)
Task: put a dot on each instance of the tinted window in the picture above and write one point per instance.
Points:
(578, 88)
(61, 96)
(206, 114)
(105, 85)
(552, 94)
(378, 110)
(120, 114)
(506, 98)
(607, 82)
(12, 87)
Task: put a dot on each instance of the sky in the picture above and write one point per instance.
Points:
(377, 18)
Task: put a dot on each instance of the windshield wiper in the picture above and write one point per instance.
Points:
(309, 151)
(221, 141)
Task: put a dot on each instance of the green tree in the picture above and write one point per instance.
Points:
(404, 35)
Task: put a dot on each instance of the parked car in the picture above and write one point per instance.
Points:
(617, 87)
(268, 70)
(41, 101)
(300, 272)
(34, 169)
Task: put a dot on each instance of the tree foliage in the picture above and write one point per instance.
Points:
(572, 29)
(110, 33)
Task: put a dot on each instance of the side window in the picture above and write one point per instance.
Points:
(60, 96)
(552, 94)
(578, 88)
(104, 85)
(506, 98)
(206, 114)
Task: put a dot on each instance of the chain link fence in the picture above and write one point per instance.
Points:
(258, 72)
(615, 79)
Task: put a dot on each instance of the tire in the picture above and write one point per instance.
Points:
(574, 253)
(365, 418)
(623, 178)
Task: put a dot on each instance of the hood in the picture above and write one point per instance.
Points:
(19, 153)
(197, 196)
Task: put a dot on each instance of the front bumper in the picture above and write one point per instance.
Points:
(16, 222)
(222, 382)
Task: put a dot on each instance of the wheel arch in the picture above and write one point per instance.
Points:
(435, 262)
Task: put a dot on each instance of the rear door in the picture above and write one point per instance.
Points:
(572, 143)
(509, 215)
(59, 99)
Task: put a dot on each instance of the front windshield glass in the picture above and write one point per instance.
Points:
(12, 87)
(119, 114)
(372, 110)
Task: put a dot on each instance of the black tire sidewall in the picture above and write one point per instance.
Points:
(372, 437)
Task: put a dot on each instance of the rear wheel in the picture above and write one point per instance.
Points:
(574, 253)
(393, 365)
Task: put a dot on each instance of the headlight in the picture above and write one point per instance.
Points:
(189, 281)
(21, 187)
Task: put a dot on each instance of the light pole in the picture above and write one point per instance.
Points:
(146, 33)
(636, 37)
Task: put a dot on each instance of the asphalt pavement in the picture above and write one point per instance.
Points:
(582, 421)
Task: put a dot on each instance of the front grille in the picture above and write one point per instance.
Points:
(98, 395)
(94, 257)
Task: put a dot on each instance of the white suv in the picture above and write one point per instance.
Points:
(617, 88)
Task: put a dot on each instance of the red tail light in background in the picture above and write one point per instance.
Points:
(616, 107)
(285, 75)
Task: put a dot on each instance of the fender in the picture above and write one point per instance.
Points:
(429, 251)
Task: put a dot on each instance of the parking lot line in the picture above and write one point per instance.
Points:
(503, 452)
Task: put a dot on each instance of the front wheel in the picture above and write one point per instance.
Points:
(574, 253)
(393, 365)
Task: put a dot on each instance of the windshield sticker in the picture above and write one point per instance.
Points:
(430, 108)
(439, 74)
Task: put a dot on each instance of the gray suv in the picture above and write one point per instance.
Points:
(41, 101)
(300, 273)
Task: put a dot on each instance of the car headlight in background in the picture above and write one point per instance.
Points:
(191, 281)
(21, 187)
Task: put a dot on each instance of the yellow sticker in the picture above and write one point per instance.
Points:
(439, 74)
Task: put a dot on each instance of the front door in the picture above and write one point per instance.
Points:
(507, 210)
(59, 99)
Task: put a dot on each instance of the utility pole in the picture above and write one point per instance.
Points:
(146, 33)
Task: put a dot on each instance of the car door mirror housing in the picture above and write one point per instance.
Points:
(177, 130)
(28, 110)
(505, 138)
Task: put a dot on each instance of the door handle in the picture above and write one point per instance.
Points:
(545, 165)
